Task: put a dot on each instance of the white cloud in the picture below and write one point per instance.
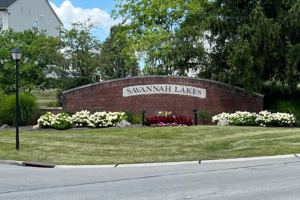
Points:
(69, 14)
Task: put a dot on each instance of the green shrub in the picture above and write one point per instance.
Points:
(70, 83)
(53, 104)
(28, 109)
(45, 120)
(104, 119)
(62, 121)
(160, 113)
(81, 119)
(137, 119)
(274, 94)
(129, 115)
(59, 96)
(297, 123)
(263, 118)
(205, 116)
(289, 106)
(69, 112)
(1, 101)
(96, 110)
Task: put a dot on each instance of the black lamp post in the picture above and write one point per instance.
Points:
(17, 54)
(195, 111)
(143, 122)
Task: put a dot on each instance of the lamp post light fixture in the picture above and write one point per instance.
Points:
(143, 120)
(195, 111)
(17, 55)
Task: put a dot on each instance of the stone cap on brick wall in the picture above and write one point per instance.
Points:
(155, 76)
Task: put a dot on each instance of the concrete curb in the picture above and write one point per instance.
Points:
(20, 163)
(250, 159)
(126, 165)
(11, 162)
(178, 163)
(83, 166)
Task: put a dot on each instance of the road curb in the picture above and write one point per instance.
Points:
(83, 166)
(250, 159)
(179, 163)
(11, 162)
(20, 163)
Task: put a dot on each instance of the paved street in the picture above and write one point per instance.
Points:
(261, 179)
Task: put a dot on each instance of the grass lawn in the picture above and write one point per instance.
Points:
(146, 145)
(44, 97)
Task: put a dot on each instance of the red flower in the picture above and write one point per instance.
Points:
(168, 119)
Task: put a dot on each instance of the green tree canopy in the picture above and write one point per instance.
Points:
(162, 33)
(81, 49)
(249, 42)
(39, 54)
(113, 62)
(253, 42)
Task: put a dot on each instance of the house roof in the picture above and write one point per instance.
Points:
(6, 3)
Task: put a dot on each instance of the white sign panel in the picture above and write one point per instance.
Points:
(164, 89)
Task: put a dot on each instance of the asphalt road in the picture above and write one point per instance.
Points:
(262, 179)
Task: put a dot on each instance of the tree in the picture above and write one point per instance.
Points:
(80, 48)
(39, 53)
(250, 42)
(253, 42)
(163, 33)
(113, 63)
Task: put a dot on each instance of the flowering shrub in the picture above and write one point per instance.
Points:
(61, 121)
(45, 120)
(168, 119)
(164, 114)
(103, 119)
(158, 119)
(183, 120)
(263, 118)
(280, 119)
(243, 119)
(116, 117)
(161, 124)
(81, 119)
(220, 117)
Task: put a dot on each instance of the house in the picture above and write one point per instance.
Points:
(22, 15)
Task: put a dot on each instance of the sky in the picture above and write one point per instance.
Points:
(80, 10)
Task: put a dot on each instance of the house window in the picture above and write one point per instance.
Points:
(1, 21)
(36, 25)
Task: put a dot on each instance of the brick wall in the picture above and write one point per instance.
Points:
(108, 96)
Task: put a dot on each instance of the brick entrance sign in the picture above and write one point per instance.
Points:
(161, 93)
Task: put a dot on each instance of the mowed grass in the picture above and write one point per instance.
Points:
(44, 97)
(148, 145)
